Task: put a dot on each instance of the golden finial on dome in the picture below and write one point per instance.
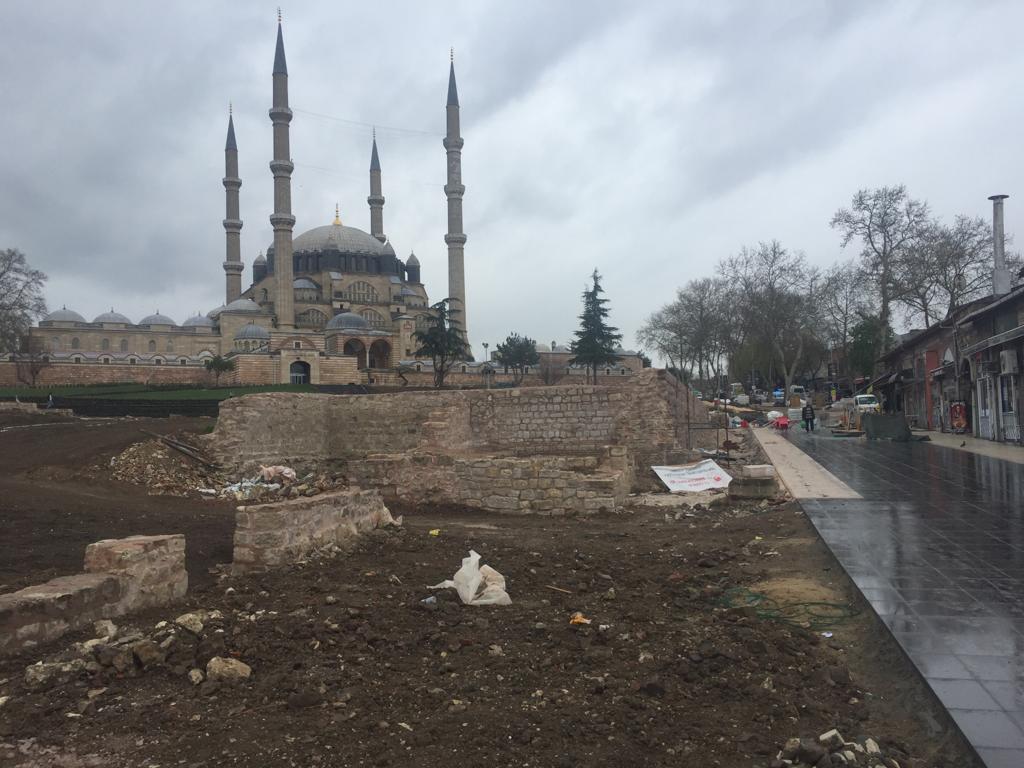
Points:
(337, 216)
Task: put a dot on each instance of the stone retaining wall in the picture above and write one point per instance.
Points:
(269, 535)
(122, 575)
(432, 446)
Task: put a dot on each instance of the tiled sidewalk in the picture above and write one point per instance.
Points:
(936, 545)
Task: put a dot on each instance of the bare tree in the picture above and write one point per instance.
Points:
(31, 360)
(887, 222)
(21, 298)
(778, 300)
(844, 302)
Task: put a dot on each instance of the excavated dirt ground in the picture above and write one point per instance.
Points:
(351, 668)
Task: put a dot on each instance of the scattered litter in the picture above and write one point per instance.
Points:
(698, 476)
(826, 634)
(432, 600)
(579, 618)
(773, 415)
(476, 584)
(272, 473)
(434, 532)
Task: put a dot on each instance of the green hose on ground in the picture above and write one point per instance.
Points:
(806, 615)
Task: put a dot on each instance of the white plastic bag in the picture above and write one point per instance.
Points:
(477, 585)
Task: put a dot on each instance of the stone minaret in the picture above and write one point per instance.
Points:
(454, 189)
(232, 221)
(281, 166)
(376, 198)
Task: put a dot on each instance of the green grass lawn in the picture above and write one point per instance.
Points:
(143, 392)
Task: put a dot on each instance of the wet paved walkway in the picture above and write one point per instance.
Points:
(936, 545)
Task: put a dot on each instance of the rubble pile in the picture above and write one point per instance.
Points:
(831, 750)
(193, 646)
(163, 471)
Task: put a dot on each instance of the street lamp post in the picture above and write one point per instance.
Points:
(487, 363)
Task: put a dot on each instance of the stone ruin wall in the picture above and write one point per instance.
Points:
(459, 446)
(121, 576)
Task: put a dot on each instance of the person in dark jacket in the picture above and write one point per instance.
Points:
(807, 414)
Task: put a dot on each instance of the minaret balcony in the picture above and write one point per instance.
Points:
(233, 225)
(233, 266)
(453, 142)
(455, 238)
(280, 114)
(282, 167)
(282, 220)
(232, 182)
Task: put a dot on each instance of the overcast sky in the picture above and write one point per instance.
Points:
(647, 140)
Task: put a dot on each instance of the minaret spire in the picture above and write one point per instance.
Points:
(281, 166)
(376, 198)
(454, 190)
(232, 218)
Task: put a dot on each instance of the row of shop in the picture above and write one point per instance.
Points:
(962, 375)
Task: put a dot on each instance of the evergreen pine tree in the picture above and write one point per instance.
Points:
(595, 341)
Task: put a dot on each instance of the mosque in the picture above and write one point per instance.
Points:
(328, 306)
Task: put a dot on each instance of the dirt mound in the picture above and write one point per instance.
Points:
(162, 470)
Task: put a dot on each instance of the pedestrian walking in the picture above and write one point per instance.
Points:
(49, 400)
(807, 414)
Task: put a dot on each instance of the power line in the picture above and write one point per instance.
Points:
(378, 126)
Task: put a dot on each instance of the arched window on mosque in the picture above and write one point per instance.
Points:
(124, 345)
(105, 345)
(75, 343)
(311, 318)
(170, 345)
(152, 345)
(361, 292)
(55, 343)
(374, 318)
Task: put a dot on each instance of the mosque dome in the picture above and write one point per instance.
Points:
(156, 319)
(348, 321)
(261, 259)
(112, 317)
(338, 237)
(216, 311)
(252, 332)
(241, 305)
(199, 321)
(64, 315)
(306, 283)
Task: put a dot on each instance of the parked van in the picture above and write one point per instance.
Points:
(867, 404)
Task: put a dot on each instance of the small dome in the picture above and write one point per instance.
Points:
(388, 249)
(242, 305)
(112, 317)
(412, 261)
(305, 282)
(541, 347)
(64, 315)
(156, 319)
(216, 311)
(261, 259)
(252, 331)
(199, 321)
(348, 321)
